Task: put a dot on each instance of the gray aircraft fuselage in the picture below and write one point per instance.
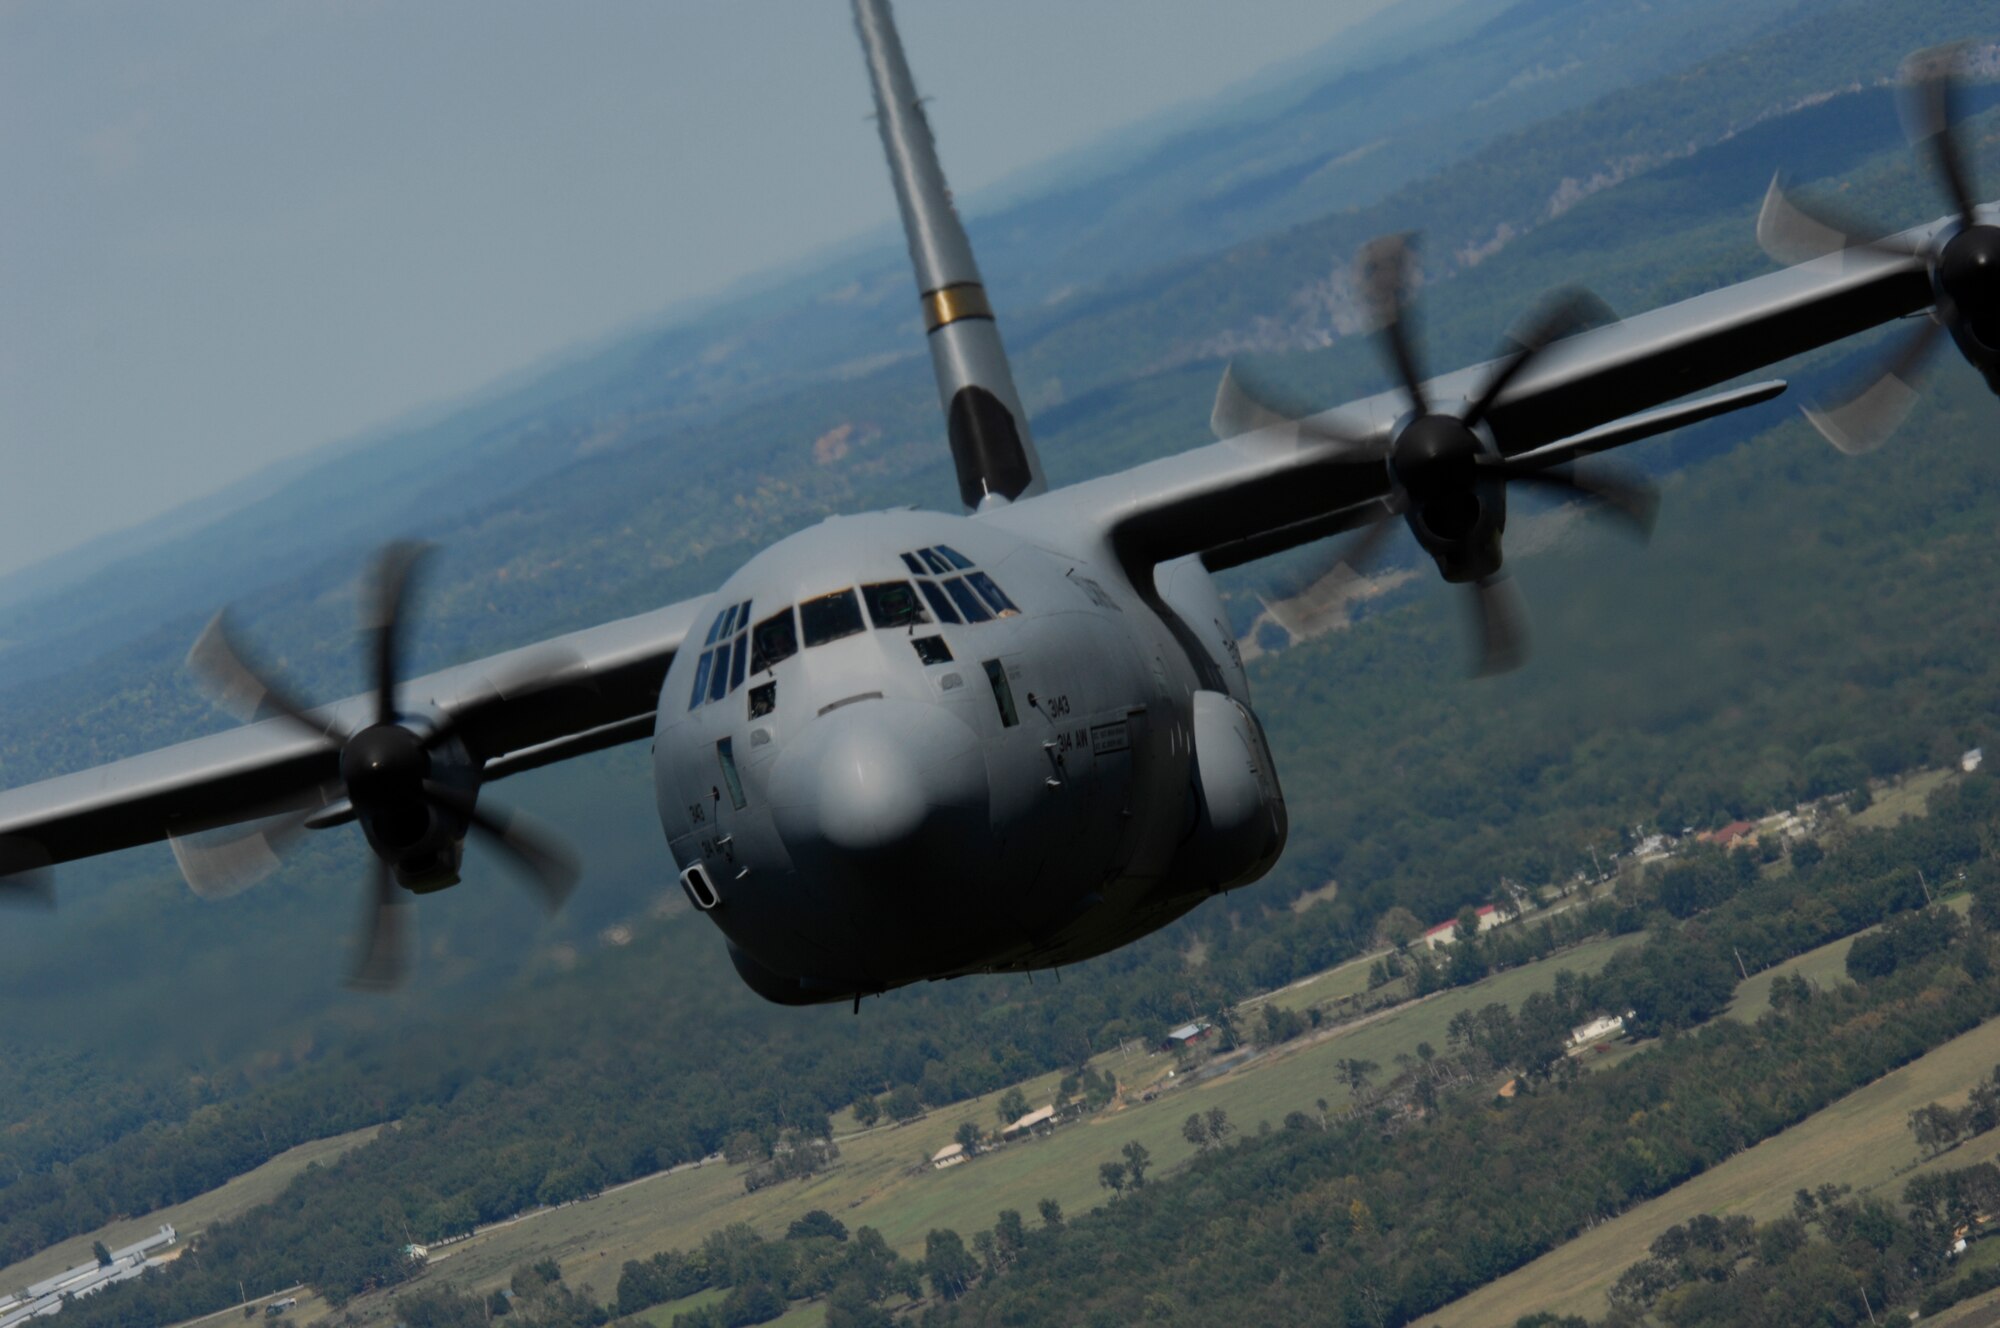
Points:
(930, 746)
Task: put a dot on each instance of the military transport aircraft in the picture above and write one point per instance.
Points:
(916, 745)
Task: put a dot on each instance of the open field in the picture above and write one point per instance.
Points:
(1824, 967)
(1349, 979)
(219, 1204)
(1979, 1312)
(1903, 799)
(1862, 1140)
(881, 1179)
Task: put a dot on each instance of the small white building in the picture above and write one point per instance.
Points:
(949, 1156)
(1971, 760)
(1604, 1026)
(1041, 1119)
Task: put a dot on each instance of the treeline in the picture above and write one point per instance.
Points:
(816, 1259)
(1359, 1225)
(1402, 1208)
(564, 1114)
(1834, 1259)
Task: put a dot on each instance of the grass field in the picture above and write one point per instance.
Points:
(1979, 1312)
(1824, 967)
(219, 1204)
(1903, 799)
(882, 1179)
(1862, 1140)
(1350, 979)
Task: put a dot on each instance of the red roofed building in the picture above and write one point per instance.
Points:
(1446, 933)
(1735, 832)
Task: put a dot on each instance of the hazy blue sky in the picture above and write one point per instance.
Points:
(234, 231)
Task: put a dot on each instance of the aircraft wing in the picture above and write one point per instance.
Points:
(576, 693)
(1276, 486)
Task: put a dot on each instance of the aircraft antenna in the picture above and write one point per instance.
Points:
(990, 443)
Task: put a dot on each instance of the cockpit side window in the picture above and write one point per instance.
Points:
(700, 681)
(934, 560)
(968, 603)
(830, 617)
(718, 681)
(894, 604)
(940, 602)
(992, 594)
(775, 640)
(954, 557)
(910, 561)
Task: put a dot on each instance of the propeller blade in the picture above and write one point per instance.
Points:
(239, 690)
(1238, 411)
(1500, 622)
(381, 964)
(1789, 232)
(382, 618)
(1867, 419)
(25, 877)
(548, 861)
(1562, 314)
(1929, 103)
(1384, 267)
(1630, 498)
(226, 861)
(1306, 611)
(1243, 407)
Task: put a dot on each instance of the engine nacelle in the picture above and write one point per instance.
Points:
(1967, 277)
(1241, 825)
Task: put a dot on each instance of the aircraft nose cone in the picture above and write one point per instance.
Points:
(880, 778)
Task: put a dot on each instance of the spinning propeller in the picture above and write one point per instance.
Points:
(407, 778)
(1447, 478)
(1964, 263)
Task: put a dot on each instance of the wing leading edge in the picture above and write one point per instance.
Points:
(1280, 485)
(516, 710)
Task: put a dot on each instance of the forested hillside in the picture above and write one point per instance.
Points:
(1798, 614)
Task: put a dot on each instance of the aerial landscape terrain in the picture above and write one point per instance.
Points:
(1654, 983)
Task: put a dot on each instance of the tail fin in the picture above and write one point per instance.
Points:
(990, 443)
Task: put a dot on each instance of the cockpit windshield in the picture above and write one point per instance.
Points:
(830, 617)
(894, 604)
(775, 640)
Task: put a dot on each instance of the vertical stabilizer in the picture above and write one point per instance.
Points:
(990, 443)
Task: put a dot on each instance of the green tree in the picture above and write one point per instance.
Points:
(1051, 1211)
(1010, 1232)
(818, 1222)
(1111, 1175)
(1399, 927)
(1012, 1106)
(904, 1105)
(1355, 1073)
(103, 1255)
(1137, 1159)
(950, 1269)
(1195, 1130)
(969, 1136)
(867, 1110)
